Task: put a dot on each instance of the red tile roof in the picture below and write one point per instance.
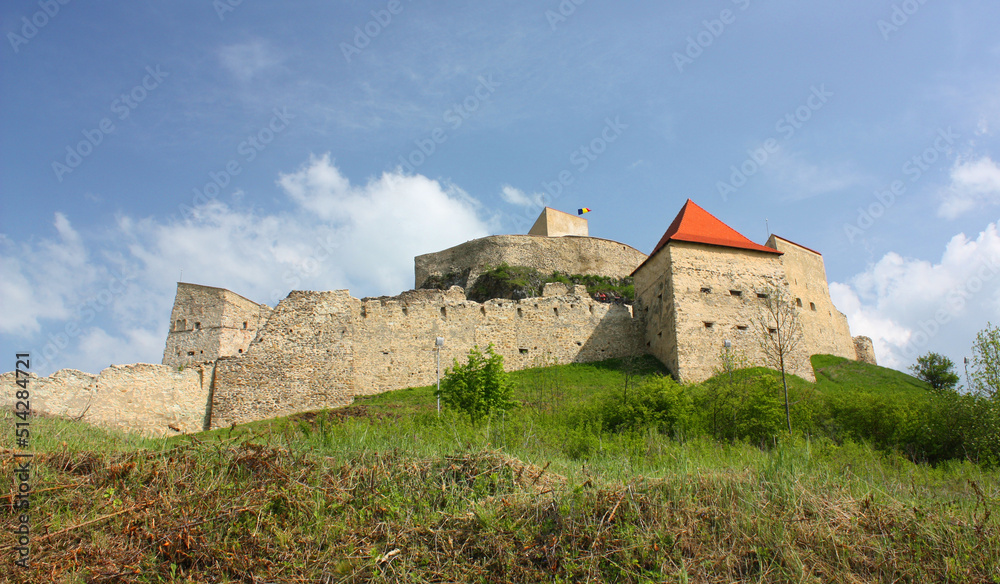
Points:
(696, 225)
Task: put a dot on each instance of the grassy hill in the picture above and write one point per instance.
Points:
(386, 490)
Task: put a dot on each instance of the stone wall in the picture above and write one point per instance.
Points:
(824, 328)
(320, 349)
(715, 298)
(864, 350)
(155, 400)
(573, 255)
(207, 323)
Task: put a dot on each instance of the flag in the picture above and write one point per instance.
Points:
(582, 211)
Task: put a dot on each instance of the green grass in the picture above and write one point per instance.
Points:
(386, 490)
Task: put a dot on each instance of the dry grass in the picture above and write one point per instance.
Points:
(246, 511)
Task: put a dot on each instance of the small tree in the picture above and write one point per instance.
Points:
(936, 370)
(779, 333)
(985, 377)
(478, 387)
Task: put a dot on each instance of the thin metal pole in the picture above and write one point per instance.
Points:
(438, 350)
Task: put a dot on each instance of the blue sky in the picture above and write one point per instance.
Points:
(265, 146)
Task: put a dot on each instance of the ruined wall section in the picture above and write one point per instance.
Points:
(320, 349)
(715, 297)
(570, 254)
(154, 400)
(824, 328)
(207, 323)
(302, 359)
(864, 350)
(653, 301)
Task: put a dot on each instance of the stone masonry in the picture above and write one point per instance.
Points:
(208, 323)
(567, 254)
(321, 349)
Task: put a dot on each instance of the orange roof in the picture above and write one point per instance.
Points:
(696, 225)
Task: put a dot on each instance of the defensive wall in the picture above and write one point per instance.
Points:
(207, 323)
(154, 400)
(568, 254)
(320, 349)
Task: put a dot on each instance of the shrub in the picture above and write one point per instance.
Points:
(478, 387)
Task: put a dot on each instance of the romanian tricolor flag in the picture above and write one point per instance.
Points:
(582, 211)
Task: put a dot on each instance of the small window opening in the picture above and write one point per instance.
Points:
(197, 325)
(190, 353)
(812, 305)
(241, 350)
(405, 311)
(180, 325)
(660, 334)
(520, 313)
(244, 325)
(659, 296)
(482, 310)
(772, 330)
(762, 296)
(736, 293)
(522, 351)
(741, 327)
(579, 344)
(706, 290)
(555, 310)
(798, 302)
(709, 325)
(444, 312)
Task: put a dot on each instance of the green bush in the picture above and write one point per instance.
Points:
(659, 403)
(479, 387)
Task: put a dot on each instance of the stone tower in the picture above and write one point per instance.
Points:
(207, 323)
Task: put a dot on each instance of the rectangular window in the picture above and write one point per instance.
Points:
(709, 325)
(812, 305)
(706, 290)
(741, 327)
(762, 296)
(736, 293)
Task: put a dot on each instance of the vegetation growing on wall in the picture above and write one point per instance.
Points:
(446, 281)
(519, 282)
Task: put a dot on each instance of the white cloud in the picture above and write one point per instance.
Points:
(61, 294)
(974, 184)
(910, 306)
(517, 197)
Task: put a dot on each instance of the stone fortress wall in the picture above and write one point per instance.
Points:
(569, 254)
(229, 360)
(154, 400)
(321, 349)
(207, 323)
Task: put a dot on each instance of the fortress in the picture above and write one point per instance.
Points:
(229, 360)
